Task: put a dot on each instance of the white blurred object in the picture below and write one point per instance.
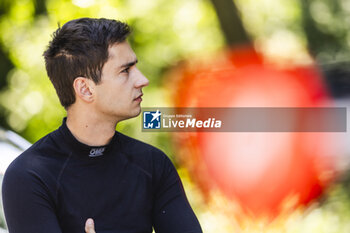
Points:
(11, 145)
(344, 162)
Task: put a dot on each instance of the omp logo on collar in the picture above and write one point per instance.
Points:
(97, 152)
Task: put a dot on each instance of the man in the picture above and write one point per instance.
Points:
(85, 175)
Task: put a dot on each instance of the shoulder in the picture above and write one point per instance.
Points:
(38, 161)
(25, 159)
(143, 154)
(139, 148)
(30, 179)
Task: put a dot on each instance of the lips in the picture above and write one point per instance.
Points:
(138, 97)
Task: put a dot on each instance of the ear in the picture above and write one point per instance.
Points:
(84, 89)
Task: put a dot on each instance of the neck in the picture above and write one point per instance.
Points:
(89, 128)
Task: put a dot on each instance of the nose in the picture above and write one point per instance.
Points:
(141, 80)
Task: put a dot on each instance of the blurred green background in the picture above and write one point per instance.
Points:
(165, 33)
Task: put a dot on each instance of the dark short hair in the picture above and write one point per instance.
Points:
(80, 49)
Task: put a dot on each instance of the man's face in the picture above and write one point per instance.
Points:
(118, 93)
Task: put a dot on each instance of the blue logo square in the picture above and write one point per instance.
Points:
(152, 120)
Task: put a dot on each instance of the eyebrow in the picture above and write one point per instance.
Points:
(129, 64)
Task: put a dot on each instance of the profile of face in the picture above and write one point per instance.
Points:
(118, 94)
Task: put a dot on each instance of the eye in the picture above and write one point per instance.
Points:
(126, 70)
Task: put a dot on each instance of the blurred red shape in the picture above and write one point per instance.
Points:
(266, 173)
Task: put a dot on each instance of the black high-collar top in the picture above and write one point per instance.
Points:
(126, 186)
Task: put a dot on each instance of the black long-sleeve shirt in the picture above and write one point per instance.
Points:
(126, 186)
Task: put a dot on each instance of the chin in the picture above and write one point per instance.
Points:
(132, 114)
(137, 112)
